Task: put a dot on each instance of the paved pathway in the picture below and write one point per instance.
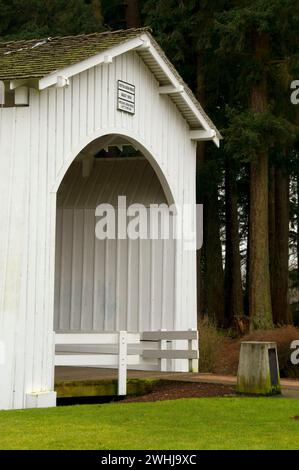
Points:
(84, 373)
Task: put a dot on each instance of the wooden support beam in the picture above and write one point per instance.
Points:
(30, 83)
(145, 46)
(108, 59)
(2, 93)
(93, 61)
(170, 89)
(202, 134)
(62, 81)
(22, 96)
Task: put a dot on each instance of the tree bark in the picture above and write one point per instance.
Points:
(210, 276)
(213, 275)
(96, 7)
(260, 308)
(280, 291)
(200, 152)
(246, 293)
(132, 14)
(233, 280)
(279, 245)
(272, 226)
(297, 220)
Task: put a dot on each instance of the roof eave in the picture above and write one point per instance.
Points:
(142, 42)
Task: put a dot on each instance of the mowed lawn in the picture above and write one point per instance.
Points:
(197, 423)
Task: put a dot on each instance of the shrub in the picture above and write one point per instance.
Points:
(210, 341)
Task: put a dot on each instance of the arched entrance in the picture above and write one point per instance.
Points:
(111, 284)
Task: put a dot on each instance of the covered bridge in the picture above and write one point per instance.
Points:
(84, 120)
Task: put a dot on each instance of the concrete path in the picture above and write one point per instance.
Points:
(290, 387)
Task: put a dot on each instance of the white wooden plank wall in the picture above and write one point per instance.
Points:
(37, 144)
(106, 284)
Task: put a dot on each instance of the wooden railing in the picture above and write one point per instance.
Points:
(169, 343)
(122, 349)
(73, 351)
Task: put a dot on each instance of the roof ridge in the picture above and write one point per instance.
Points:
(96, 33)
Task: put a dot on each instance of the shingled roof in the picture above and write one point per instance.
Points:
(39, 57)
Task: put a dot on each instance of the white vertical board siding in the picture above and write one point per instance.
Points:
(37, 145)
(106, 284)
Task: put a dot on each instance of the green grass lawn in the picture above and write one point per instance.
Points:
(198, 423)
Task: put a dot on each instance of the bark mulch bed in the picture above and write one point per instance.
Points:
(172, 390)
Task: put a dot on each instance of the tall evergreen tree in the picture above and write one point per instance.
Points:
(257, 34)
(186, 31)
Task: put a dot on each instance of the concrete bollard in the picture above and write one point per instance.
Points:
(258, 372)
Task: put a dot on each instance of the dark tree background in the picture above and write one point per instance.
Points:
(240, 58)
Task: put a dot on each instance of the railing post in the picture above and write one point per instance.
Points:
(193, 346)
(163, 346)
(122, 363)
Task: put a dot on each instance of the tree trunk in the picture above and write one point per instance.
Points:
(210, 276)
(259, 279)
(260, 308)
(272, 226)
(200, 151)
(280, 293)
(246, 293)
(297, 213)
(297, 220)
(212, 259)
(96, 6)
(233, 280)
(132, 14)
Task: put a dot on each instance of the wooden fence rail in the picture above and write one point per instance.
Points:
(122, 349)
(120, 359)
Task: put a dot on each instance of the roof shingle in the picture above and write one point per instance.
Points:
(39, 57)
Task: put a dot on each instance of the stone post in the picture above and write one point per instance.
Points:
(258, 372)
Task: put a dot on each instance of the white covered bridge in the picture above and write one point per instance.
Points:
(83, 121)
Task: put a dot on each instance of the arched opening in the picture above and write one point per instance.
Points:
(110, 284)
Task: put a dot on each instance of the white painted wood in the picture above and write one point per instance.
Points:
(168, 335)
(170, 89)
(41, 400)
(2, 93)
(146, 45)
(62, 81)
(32, 83)
(143, 44)
(38, 144)
(202, 135)
(171, 354)
(94, 338)
(122, 363)
(193, 345)
(22, 96)
(75, 350)
(174, 81)
(95, 360)
(163, 346)
(110, 278)
(89, 63)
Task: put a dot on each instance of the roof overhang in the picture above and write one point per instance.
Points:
(201, 128)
